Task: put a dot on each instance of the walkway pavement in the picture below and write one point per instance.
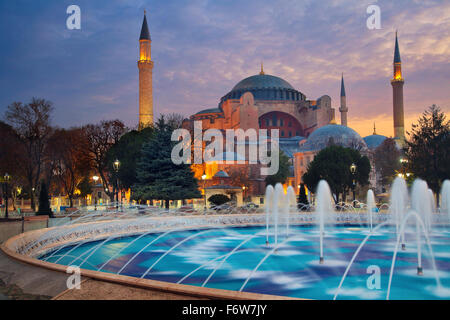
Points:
(22, 281)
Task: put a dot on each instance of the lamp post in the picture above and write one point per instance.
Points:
(95, 198)
(403, 170)
(353, 168)
(116, 165)
(243, 193)
(204, 192)
(6, 179)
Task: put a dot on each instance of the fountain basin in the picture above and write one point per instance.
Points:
(292, 271)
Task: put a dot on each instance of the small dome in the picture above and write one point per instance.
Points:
(374, 141)
(339, 135)
(221, 174)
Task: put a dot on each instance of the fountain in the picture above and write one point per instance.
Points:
(268, 206)
(324, 209)
(227, 251)
(445, 198)
(398, 204)
(370, 207)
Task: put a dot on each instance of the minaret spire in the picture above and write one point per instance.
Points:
(343, 109)
(374, 129)
(145, 34)
(397, 58)
(397, 83)
(145, 65)
(342, 86)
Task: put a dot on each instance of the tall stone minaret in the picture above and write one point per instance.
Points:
(145, 65)
(397, 87)
(343, 109)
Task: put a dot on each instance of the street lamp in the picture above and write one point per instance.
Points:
(95, 198)
(243, 192)
(6, 179)
(116, 166)
(403, 170)
(353, 168)
(204, 191)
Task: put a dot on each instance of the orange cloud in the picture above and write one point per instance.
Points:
(384, 124)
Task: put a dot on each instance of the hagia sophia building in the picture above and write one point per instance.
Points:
(264, 101)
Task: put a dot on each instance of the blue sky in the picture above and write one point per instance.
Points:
(203, 48)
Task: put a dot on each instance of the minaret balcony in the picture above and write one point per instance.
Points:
(398, 80)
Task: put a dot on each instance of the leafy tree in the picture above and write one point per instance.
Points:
(333, 165)
(31, 123)
(85, 187)
(44, 202)
(302, 198)
(283, 171)
(218, 199)
(158, 177)
(428, 148)
(387, 160)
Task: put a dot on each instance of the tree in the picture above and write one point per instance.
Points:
(100, 138)
(11, 154)
(218, 199)
(428, 148)
(31, 122)
(302, 199)
(158, 177)
(66, 150)
(128, 150)
(387, 160)
(283, 171)
(44, 202)
(332, 164)
(85, 187)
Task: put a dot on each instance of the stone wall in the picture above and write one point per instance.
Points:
(11, 228)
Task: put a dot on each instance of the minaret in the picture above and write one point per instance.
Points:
(145, 65)
(397, 87)
(343, 109)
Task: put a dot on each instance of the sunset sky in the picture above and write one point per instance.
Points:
(202, 48)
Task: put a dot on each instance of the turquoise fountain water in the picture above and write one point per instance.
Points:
(279, 254)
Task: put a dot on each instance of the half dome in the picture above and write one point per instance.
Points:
(337, 134)
(374, 141)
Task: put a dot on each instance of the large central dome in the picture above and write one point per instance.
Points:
(262, 81)
(264, 87)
